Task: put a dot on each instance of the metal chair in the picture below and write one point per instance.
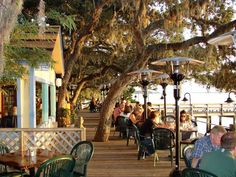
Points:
(121, 126)
(163, 140)
(195, 172)
(3, 168)
(60, 166)
(130, 132)
(3, 150)
(140, 144)
(187, 154)
(82, 152)
(5, 171)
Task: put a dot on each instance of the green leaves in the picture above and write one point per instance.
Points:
(16, 52)
(67, 21)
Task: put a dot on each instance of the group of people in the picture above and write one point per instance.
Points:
(216, 153)
(135, 116)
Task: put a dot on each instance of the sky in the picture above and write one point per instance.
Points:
(199, 94)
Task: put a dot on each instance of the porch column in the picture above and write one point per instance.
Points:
(53, 100)
(19, 100)
(32, 103)
(45, 102)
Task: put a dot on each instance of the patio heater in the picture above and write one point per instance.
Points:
(224, 39)
(163, 84)
(229, 99)
(190, 102)
(177, 77)
(144, 77)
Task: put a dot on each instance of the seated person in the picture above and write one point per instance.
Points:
(127, 111)
(149, 108)
(222, 162)
(135, 117)
(185, 121)
(146, 131)
(207, 144)
(149, 124)
(186, 124)
(129, 105)
(119, 108)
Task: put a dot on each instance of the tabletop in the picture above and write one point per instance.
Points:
(25, 160)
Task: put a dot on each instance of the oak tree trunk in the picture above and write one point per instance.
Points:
(8, 15)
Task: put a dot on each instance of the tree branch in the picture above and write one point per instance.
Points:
(172, 14)
(190, 42)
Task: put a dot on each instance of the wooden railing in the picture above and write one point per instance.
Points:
(58, 139)
(201, 109)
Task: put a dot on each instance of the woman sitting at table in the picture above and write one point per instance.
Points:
(186, 124)
(127, 111)
(150, 123)
(147, 129)
(135, 117)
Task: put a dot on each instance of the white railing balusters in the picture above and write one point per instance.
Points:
(56, 139)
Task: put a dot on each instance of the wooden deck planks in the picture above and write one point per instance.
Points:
(115, 159)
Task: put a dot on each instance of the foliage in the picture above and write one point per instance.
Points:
(16, 54)
(67, 21)
(63, 112)
(73, 116)
(127, 94)
(131, 34)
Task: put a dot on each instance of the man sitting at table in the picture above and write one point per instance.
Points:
(223, 161)
(207, 144)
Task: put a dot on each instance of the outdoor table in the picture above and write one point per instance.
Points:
(186, 142)
(24, 160)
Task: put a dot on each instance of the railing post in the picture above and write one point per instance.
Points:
(221, 109)
(191, 110)
(208, 127)
(21, 140)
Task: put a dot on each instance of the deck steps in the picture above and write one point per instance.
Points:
(91, 119)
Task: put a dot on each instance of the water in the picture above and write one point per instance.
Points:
(199, 94)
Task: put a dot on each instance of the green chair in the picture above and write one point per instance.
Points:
(121, 126)
(163, 140)
(3, 150)
(141, 147)
(60, 166)
(82, 152)
(195, 172)
(187, 154)
(130, 132)
(4, 172)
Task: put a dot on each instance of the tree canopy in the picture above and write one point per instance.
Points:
(106, 37)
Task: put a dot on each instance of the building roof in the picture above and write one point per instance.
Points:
(51, 40)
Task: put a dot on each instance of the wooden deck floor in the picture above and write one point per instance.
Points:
(115, 159)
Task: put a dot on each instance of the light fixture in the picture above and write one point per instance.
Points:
(144, 76)
(163, 84)
(229, 99)
(190, 102)
(224, 39)
(177, 77)
(58, 82)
